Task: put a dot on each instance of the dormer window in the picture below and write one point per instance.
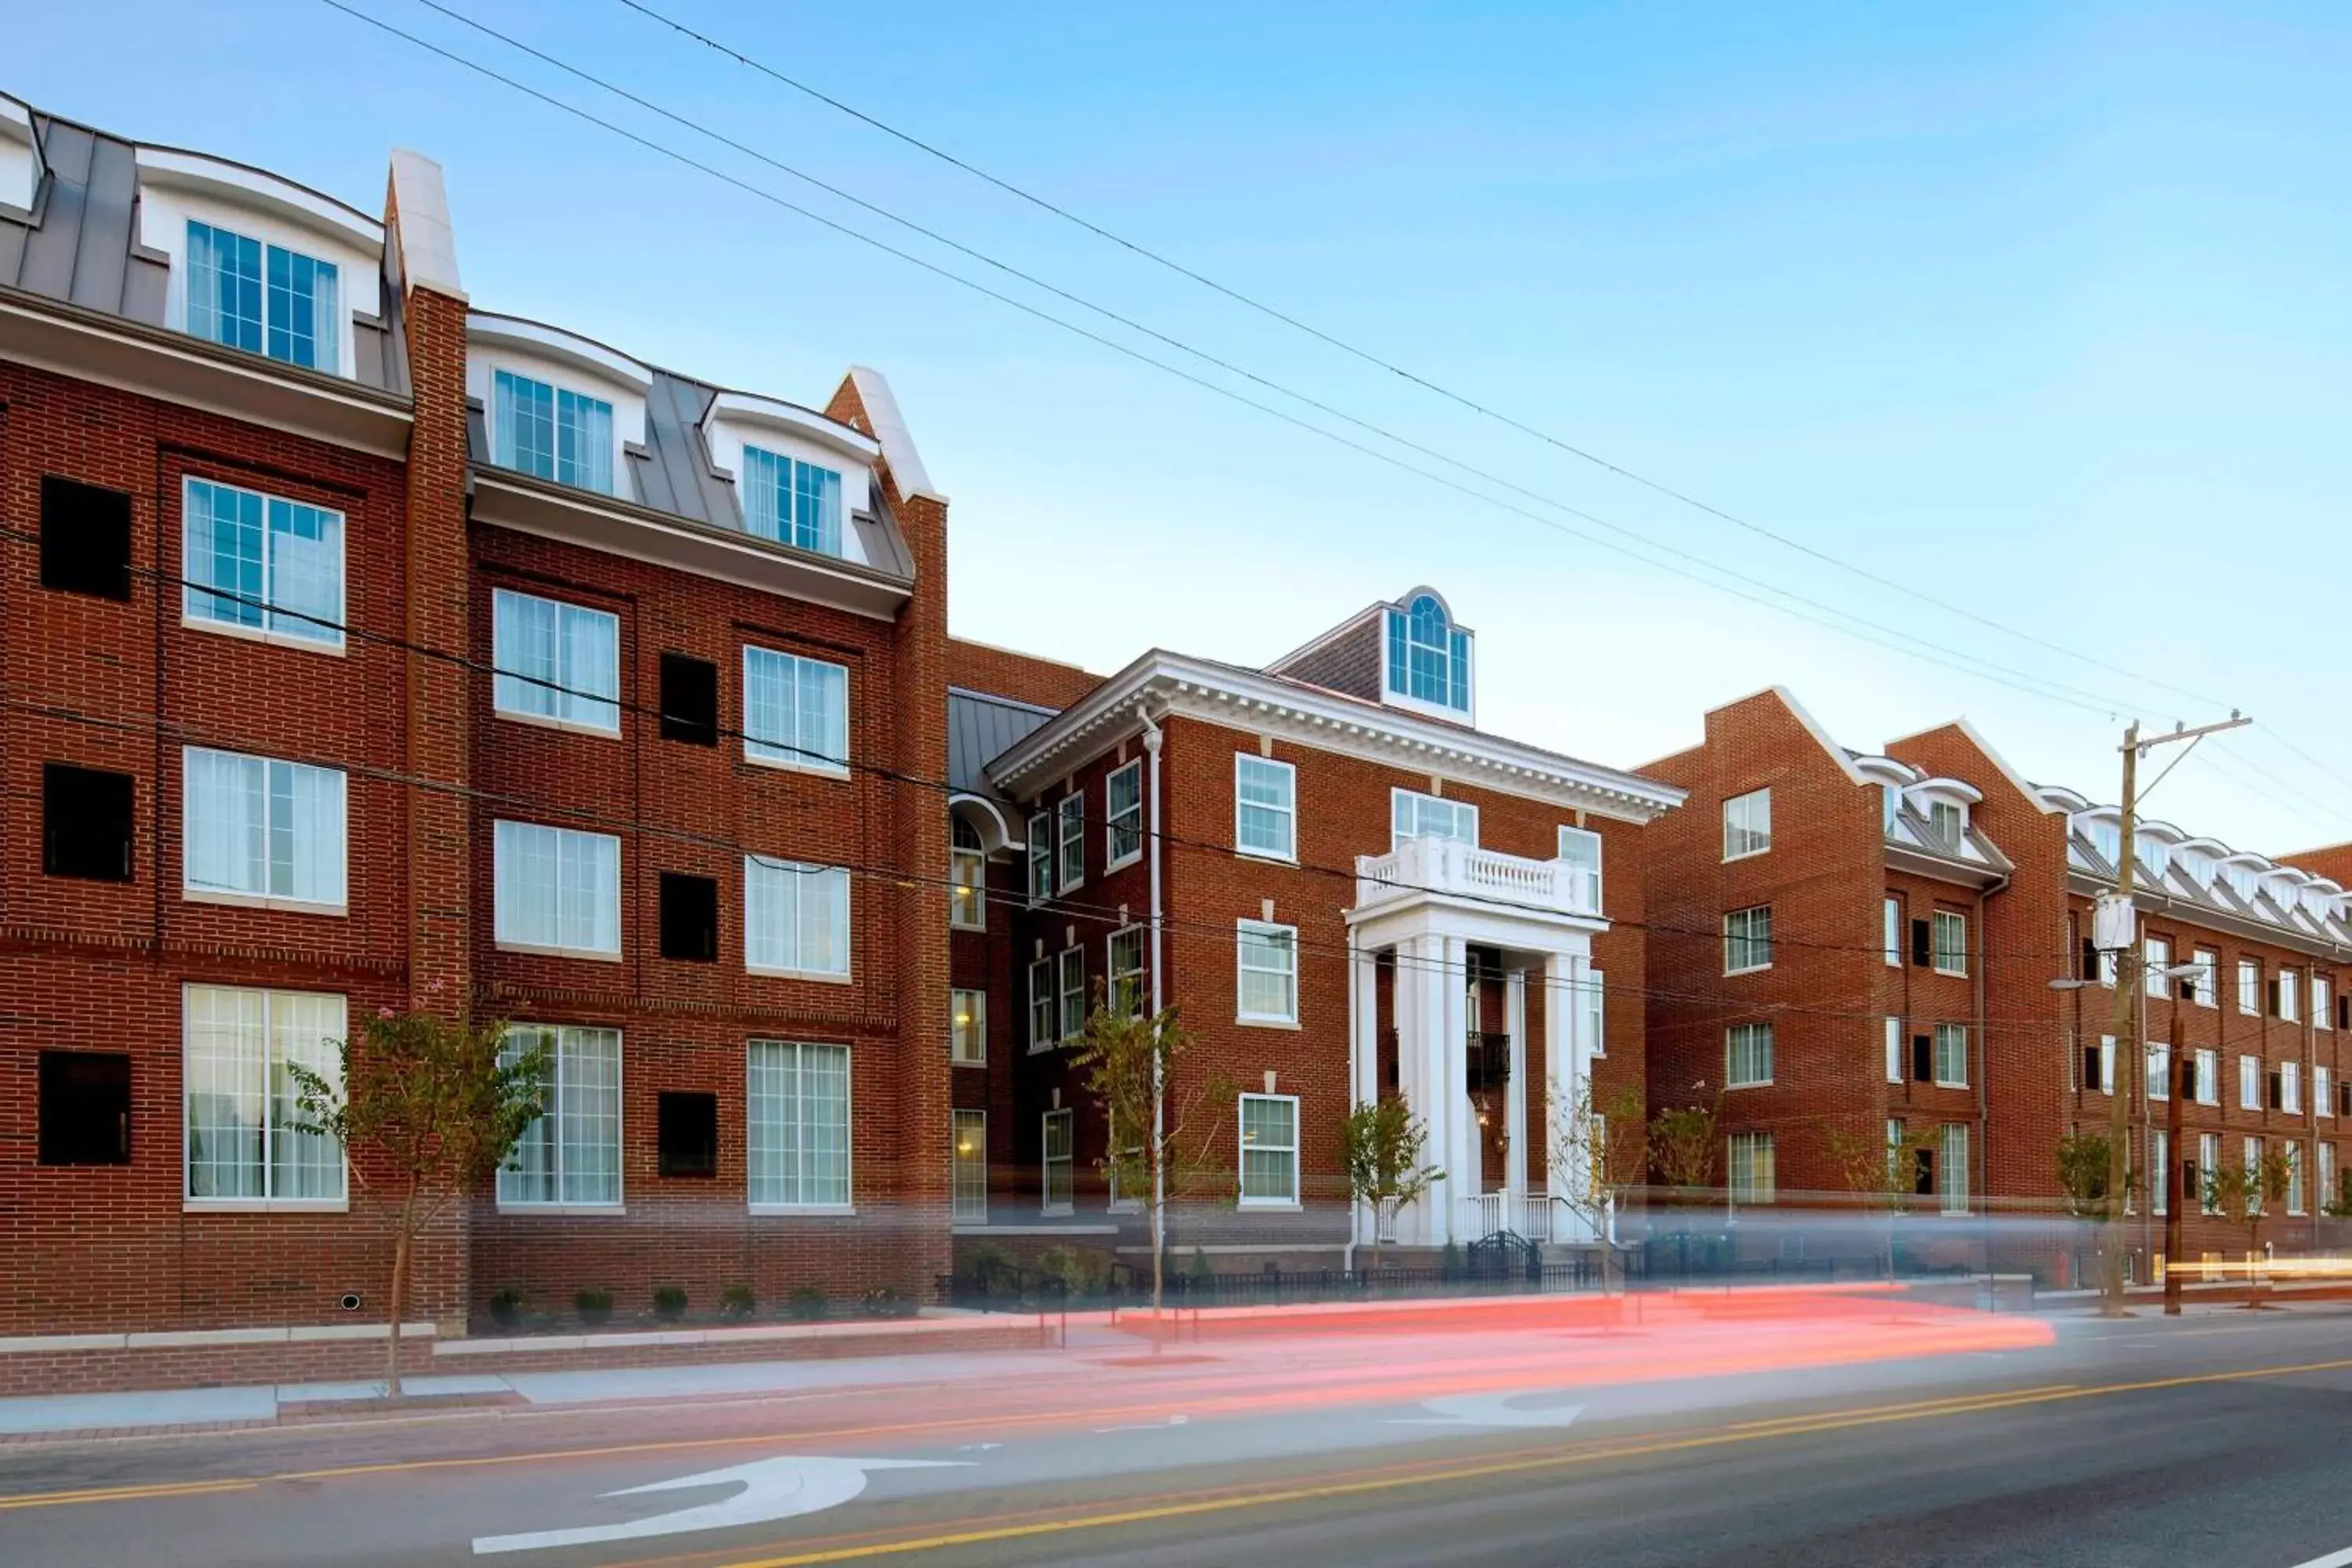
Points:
(2242, 881)
(2107, 838)
(263, 298)
(1949, 821)
(792, 502)
(2154, 855)
(1428, 656)
(552, 432)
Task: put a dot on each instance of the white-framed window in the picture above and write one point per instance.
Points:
(1416, 816)
(2322, 1097)
(1595, 998)
(1748, 939)
(2289, 983)
(2249, 988)
(1270, 1126)
(1265, 808)
(796, 918)
(552, 432)
(1748, 1055)
(968, 1027)
(2159, 1172)
(556, 889)
(1045, 1016)
(2292, 1149)
(1949, 821)
(791, 502)
(1266, 961)
(1041, 855)
(2106, 1084)
(261, 565)
(1952, 1168)
(2291, 1086)
(2252, 1148)
(968, 1171)
(1952, 1056)
(2107, 968)
(258, 830)
(2156, 957)
(1428, 656)
(1123, 816)
(556, 663)
(1748, 825)
(1890, 807)
(1895, 1050)
(1950, 949)
(570, 1157)
(2206, 984)
(2160, 1071)
(1070, 817)
(264, 298)
(1892, 933)
(967, 877)
(2209, 1160)
(796, 1132)
(2323, 1003)
(795, 711)
(1579, 851)
(1123, 953)
(240, 1106)
(1072, 977)
(1749, 1161)
(1060, 1160)
(2250, 1083)
(2329, 1194)
(2209, 1076)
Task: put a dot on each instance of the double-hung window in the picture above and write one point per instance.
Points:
(261, 564)
(1045, 1014)
(1952, 1169)
(572, 1155)
(1125, 952)
(968, 877)
(552, 432)
(2323, 1099)
(1952, 943)
(1892, 935)
(2209, 1076)
(1072, 975)
(1748, 825)
(1949, 823)
(2289, 981)
(791, 502)
(1593, 995)
(1894, 1073)
(264, 298)
(242, 1105)
(1748, 1055)
(2250, 1083)
(2291, 1086)
(2209, 1163)
(1265, 808)
(2253, 1166)
(258, 829)
(2156, 957)
(1952, 1056)
(795, 711)
(2205, 985)
(1749, 1161)
(2249, 988)
(1070, 825)
(1041, 855)
(1269, 1125)
(1266, 956)
(556, 889)
(1580, 851)
(2159, 1172)
(796, 1137)
(968, 1028)
(1123, 816)
(1748, 939)
(1060, 1160)
(2330, 1195)
(1416, 815)
(2160, 1071)
(2323, 1003)
(796, 918)
(2292, 1149)
(556, 662)
(968, 1176)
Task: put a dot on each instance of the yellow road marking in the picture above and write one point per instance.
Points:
(127, 1494)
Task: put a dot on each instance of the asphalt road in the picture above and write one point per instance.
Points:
(2224, 1437)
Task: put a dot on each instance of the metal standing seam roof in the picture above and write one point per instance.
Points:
(981, 728)
(82, 248)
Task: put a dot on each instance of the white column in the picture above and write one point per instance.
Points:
(1364, 1054)
(1417, 1079)
(1563, 1022)
(1447, 959)
(1516, 1129)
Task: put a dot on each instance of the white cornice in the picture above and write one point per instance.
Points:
(750, 409)
(236, 183)
(1221, 694)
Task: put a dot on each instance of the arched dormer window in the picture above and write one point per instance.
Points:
(1428, 656)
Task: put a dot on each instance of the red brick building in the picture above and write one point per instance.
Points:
(367, 651)
(1857, 947)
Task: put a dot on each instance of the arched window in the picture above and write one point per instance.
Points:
(1429, 656)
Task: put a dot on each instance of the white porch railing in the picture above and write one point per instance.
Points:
(1421, 867)
(1529, 1215)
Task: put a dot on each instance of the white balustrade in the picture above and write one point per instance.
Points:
(1447, 867)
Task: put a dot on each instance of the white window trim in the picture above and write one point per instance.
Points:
(977, 882)
(1289, 813)
(339, 908)
(619, 1205)
(849, 1128)
(562, 687)
(1112, 862)
(1894, 1073)
(1763, 848)
(794, 760)
(1242, 1146)
(2208, 1086)
(1045, 1163)
(334, 649)
(1111, 971)
(1039, 831)
(2205, 989)
(1265, 1020)
(1892, 918)
(1599, 881)
(1750, 968)
(620, 902)
(2158, 1070)
(1948, 1201)
(189, 1202)
(1050, 991)
(1936, 920)
(1069, 830)
(847, 974)
(979, 1021)
(1730, 1055)
(1935, 1057)
(2251, 1085)
(1063, 991)
(625, 399)
(2250, 1004)
(1458, 808)
(1756, 1142)
(955, 1216)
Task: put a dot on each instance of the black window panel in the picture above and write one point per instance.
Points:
(2091, 1066)
(2191, 1189)
(689, 699)
(2278, 1098)
(689, 918)
(85, 539)
(85, 1107)
(2343, 1012)
(85, 823)
(2188, 989)
(1923, 943)
(2278, 997)
(1923, 1059)
(2090, 959)
(1923, 1178)
(2187, 1071)
(688, 1129)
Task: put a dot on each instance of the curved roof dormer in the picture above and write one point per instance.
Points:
(1960, 791)
(799, 476)
(1887, 771)
(2059, 798)
(20, 158)
(554, 405)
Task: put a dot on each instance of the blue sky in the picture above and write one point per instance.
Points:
(2040, 308)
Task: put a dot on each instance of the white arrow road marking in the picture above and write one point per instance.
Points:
(772, 1488)
(1148, 1425)
(1490, 1410)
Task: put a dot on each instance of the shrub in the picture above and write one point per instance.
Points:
(737, 1302)
(1082, 1271)
(506, 1308)
(884, 1302)
(669, 1302)
(808, 1302)
(1198, 1269)
(991, 1269)
(594, 1304)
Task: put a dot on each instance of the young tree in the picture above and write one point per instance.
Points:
(430, 1107)
(1161, 1143)
(2244, 1191)
(1384, 1146)
(2084, 1168)
(1882, 1173)
(1600, 1153)
(1681, 1144)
